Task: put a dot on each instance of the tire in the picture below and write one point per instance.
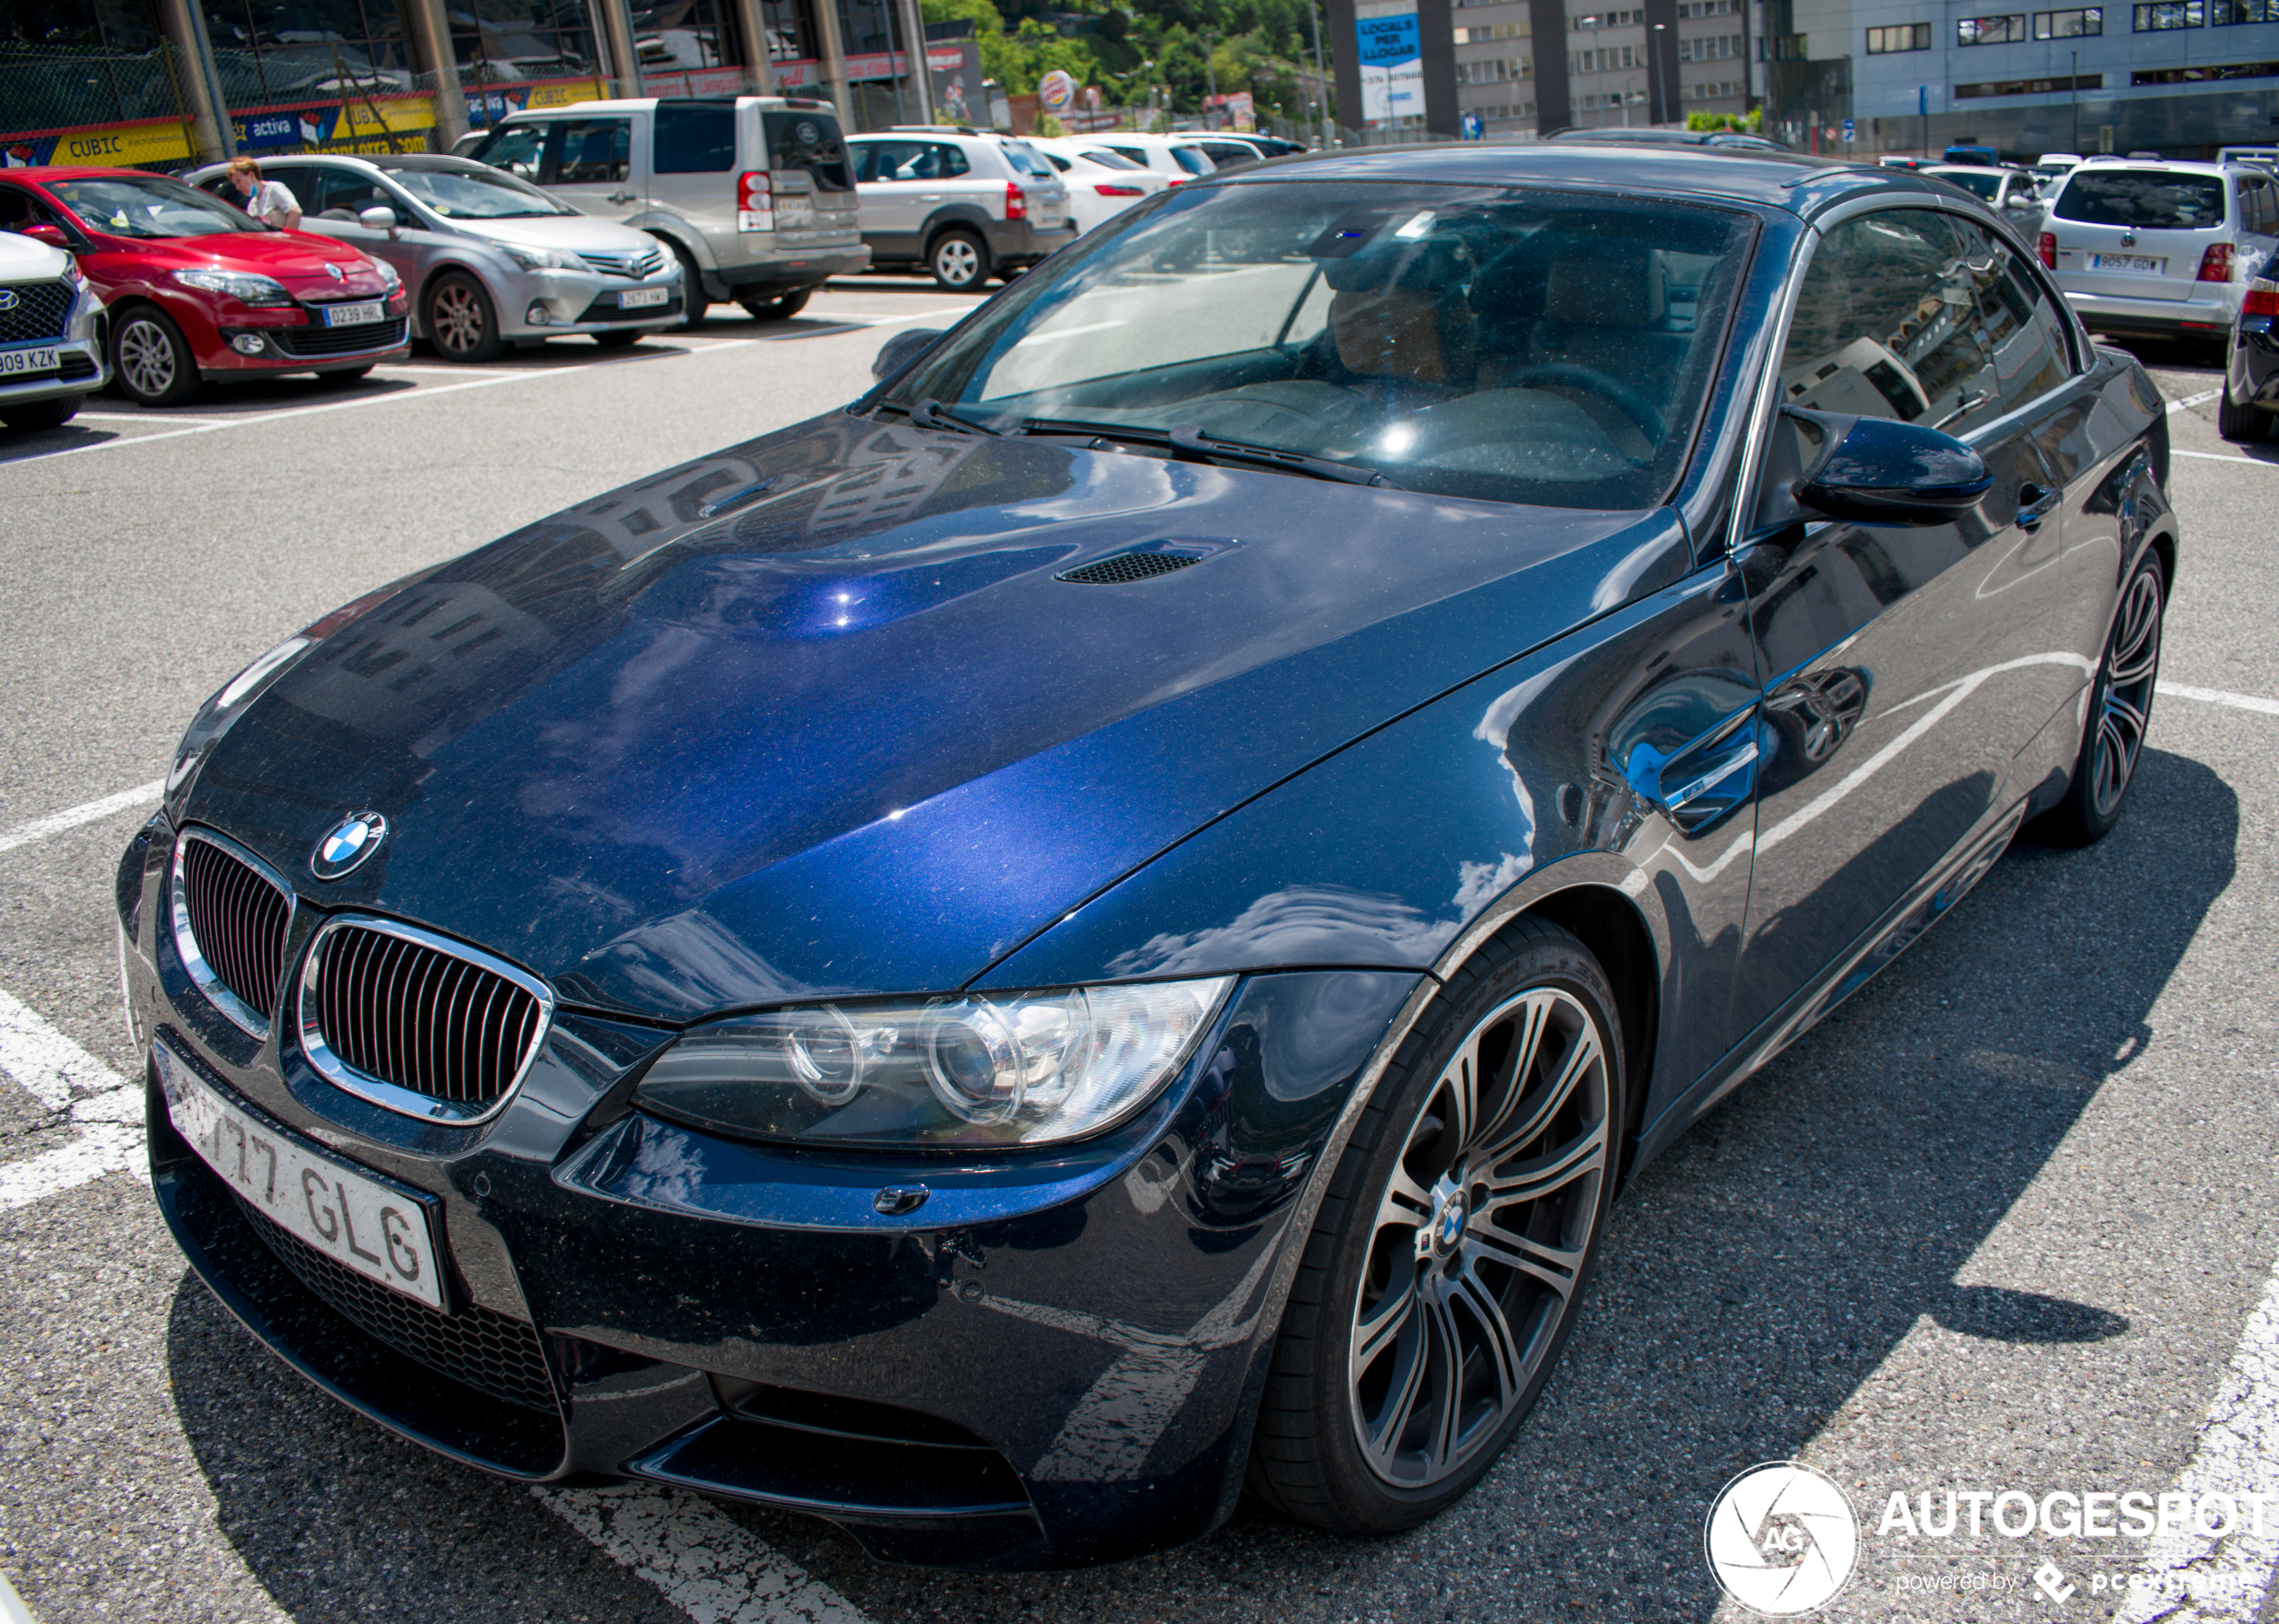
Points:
(621, 338)
(345, 374)
(2120, 710)
(958, 261)
(43, 414)
(2244, 425)
(781, 308)
(1378, 1443)
(151, 361)
(694, 305)
(460, 320)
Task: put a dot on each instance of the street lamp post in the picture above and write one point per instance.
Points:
(1320, 85)
(2074, 84)
(1654, 87)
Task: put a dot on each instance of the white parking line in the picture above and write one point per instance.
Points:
(2225, 1576)
(11, 1608)
(2221, 456)
(2184, 402)
(63, 1078)
(704, 1560)
(71, 817)
(2218, 697)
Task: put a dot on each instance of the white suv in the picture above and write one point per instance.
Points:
(963, 204)
(2159, 249)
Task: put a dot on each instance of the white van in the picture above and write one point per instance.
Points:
(753, 193)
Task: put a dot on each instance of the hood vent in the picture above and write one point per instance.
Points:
(1143, 562)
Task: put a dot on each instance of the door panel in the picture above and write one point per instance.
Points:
(1903, 667)
(597, 165)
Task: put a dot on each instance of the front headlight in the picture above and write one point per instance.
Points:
(545, 259)
(1011, 1068)
(240, 285)
(387, 274)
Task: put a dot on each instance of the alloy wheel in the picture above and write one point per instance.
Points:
(957, 263)
(456, 318)
(2131, 667)
(1479, 1238)
(146, 357)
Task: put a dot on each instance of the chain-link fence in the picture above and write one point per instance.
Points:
(94, 106)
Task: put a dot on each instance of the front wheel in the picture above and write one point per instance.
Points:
(694, 305)
(460, 321)
(42, 414)
(1444, 1270)
(620, 338)
(151, 361)
(781, 308)
(959, 261)
(2120, 709)
(346, 374)
(2243, 425)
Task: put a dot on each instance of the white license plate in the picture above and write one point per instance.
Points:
(360, 1222)
(13, 361)
(794, 214)
(2126, 262)
(354, 315)
(641, 299)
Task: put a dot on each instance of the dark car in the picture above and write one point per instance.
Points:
(1103, 925)
(1737, 141)
(2245, 410)
(198, 292)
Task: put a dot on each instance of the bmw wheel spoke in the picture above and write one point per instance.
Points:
(1539, 1176)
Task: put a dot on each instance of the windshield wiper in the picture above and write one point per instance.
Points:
(1188, 444)
(929, 413)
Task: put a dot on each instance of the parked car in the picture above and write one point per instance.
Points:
(2002, 188)
(1230, 152)
(1177, 157)
(752, 193)
(2244, 411)
(197, 293)
(1235, 798)
(1985, 157)
(2161, 250)
(490, 260)
(51, 329)
(1275, 146)
(1100, 184)
(1737, 141)
(963, 205)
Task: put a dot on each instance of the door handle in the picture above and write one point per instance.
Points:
(621, 196)
(929, 197)
(2035, 502)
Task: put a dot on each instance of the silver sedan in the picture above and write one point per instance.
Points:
(490, 260)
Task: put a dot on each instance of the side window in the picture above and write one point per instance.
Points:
(344, 194)
(517, 149)
(594, 150)
(1890, 323)
(694, 140)
(949, 161)
(899, 160)
(298, 179)
(2028, 337)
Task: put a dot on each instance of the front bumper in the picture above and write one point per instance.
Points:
(83, 364)
(2158, 318)
(582, 301)
(1052, 1361)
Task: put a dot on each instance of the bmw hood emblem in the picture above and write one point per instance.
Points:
(347, 843)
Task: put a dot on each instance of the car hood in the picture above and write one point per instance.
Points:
(297, 259)
(857, 735)
(22, 258)
(571, 232)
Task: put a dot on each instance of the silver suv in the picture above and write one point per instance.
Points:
(963, 204)
(753, 193)
(2159, 249)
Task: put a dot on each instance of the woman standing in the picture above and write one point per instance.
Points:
(269, 200)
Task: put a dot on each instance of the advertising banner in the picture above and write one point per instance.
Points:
(1391, 63)
(960, 96)
(333, 127)
(155, 141)
(1233, 112)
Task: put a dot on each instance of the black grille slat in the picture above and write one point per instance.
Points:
(238, 920)
(422, 1019)
(1121, 568)
(39, 311)
(477, 1346)
(315, 341)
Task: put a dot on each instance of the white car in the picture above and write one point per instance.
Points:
(51, 346)
(1997, 188)
(1176, 158)
(2161, 250)
(1100, 184)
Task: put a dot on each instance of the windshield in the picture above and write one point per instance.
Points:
(1520, 346)
(150, 206)
(1107, 160)
(1192, 159)
(1985, 186)
(2157, 200)
(1024, 159)
(473, 195)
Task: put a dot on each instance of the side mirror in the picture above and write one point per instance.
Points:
(898, 352)
(379, 217)
(1875, 470)
(52, 235)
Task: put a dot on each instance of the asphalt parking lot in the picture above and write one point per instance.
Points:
(2005, 1222)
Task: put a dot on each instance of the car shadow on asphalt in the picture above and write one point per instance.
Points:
(1752, 1280)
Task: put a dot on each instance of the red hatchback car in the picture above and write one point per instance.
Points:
(200, 292)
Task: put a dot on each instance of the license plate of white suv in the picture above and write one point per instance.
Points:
(641, 299)
(353, 1218)
(2128, 262)
(13, 361)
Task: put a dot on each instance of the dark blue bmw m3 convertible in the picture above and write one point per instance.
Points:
(1099, 929)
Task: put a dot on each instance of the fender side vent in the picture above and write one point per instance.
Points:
(1142, 563)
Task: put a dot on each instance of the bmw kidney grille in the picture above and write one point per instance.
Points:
(231, 915)
(416, 1022)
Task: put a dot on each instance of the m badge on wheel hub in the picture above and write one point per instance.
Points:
(347, 843)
